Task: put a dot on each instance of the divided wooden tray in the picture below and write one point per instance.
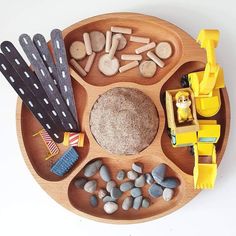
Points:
(187, 57)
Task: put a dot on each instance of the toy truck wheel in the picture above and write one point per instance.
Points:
(184, 81)
(191, 150)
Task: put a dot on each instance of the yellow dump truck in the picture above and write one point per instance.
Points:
(200, 134)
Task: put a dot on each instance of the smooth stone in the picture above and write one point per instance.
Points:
(111, 184)
(168, 194)
(158, 173)
(126, 186)
(155, 190)
(135, 192)
(104, 173)
(145, 203)
(170, 182)
(132, 175)
(108, 199)
(138, 167)
(93, 201)
(149, 179)
(137, 202)
(80, 182)
(140, 181)
(120, 175)
(110, 207)
(90, 186)
(92, 168)
(127, 203)
(102, 193)
(115, 193)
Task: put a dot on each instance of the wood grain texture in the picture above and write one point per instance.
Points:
(187, 57)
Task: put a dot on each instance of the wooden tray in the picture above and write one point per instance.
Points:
(187, 57)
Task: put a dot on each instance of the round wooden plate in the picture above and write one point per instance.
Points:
(187, 57)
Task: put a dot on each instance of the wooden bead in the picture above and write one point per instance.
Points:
(122, 41)
(163, 50)
(122, 30)
(98, 40)
(89, 62)
(128, 66)
(108, 41)
(145, 48)
(87, 43)
(131, 57)
(108, 66)
(77, 50)
(78, 67)
(147, 68)
(156, 59)
(138, 39)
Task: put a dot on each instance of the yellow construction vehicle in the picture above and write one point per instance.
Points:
(200, 134)
(206, 84)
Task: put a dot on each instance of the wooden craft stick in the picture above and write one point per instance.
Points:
(78, 67)
(89, 62)
(128, 66)
(108, 41)
(122, 30)
(145, 48)
(138, 39)
(156, 59)
(87, 43)
(131, 57)
(114, 47)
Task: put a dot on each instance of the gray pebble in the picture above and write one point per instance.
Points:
(126, 186)
(104, 173)
(170, 182)
(155, 190)
(92, 168)
(132, 175)
(110, 207)
(158, 173)
(120, 175)
(140, 181)
(115, 193)
(102, 193)
(136, 192)
(111, 184)
(137, 202)
(90, 186)
(149, 179)
(145, 203)
(138, 167)
(168, 194)
(80, 182)
(127, 203)
(108, 199)
(93, 201)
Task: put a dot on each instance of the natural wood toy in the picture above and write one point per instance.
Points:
(187, 56)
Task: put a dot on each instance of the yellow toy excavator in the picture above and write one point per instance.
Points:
(206, 84)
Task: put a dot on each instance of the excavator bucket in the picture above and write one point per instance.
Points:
(204, 173)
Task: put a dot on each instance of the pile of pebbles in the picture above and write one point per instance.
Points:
(131, 184)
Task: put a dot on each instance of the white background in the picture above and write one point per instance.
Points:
(25, 209)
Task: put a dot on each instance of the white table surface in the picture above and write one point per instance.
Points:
(25, 209)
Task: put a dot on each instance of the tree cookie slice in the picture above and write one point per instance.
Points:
(163, 50)
(148, 68)
(107, 65)
(77, 50)
(98, 40)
